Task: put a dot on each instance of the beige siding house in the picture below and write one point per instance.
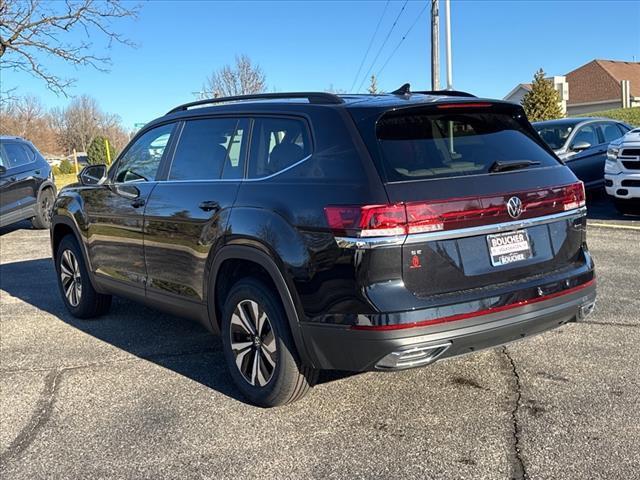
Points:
(593, 87)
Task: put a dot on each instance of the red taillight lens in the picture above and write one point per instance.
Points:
(438, 215)
(445, 215)
(464, 105)
(367, 221)
(574, 196)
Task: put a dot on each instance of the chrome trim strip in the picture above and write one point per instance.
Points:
(368, 243)
(294, 165)
(381, 242)
(495, 228)
(237, 180)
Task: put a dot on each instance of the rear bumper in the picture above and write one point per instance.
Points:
(342, 347)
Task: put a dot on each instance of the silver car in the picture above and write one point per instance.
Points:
(582, 144)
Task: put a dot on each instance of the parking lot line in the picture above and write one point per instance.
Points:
(613, 225)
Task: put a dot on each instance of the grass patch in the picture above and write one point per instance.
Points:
(627, 115)
(63, 179)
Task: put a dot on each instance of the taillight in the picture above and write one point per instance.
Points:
(574, 196)
(451, 214)
(445, 215)
(464, 105)
(367, 221)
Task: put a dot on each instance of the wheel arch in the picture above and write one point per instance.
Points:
(47, 184)
(264, 265)
(61, 226)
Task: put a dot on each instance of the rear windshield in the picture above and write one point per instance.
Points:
(418, 146)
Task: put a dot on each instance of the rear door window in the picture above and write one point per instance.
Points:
(418, 145)
(210, 149)
(610, 132)
(622, 128)
(16, 155)
(278, 143)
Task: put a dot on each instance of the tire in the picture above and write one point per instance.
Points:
(44, 204)
(627, 207)
(279, 378)
(78, 294)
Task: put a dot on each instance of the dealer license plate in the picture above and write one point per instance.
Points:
(509, 247)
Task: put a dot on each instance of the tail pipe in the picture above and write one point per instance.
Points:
(586, 310)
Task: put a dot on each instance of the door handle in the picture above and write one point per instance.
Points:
(209, 205)
(137, 203)
(13, 179)
(37, 172)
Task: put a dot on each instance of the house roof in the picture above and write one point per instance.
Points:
(624, 71)
(523, 86)
(599, 80)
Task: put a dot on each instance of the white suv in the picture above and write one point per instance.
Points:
(622, 172)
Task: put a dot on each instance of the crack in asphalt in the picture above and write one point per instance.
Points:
(609, 324)
(519, 471)
(39, 417)
(43, 409)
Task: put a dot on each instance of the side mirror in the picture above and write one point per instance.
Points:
(3, 170)
(580, 146)
(93, 175)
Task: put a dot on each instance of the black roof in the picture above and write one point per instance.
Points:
(328, 99)
(300, 101)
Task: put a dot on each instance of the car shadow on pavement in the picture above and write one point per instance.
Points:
(174, 343)
(22, 225)
(600, 207)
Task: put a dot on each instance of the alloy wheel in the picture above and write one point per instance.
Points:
(70, 277)
(253, 343)
(45, 206)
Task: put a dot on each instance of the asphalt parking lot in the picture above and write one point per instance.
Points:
(139, 394)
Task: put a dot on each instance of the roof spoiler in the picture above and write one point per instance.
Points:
(405, 90)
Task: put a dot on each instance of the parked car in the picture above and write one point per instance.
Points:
(582, 144)
(622, 172)
(317, 231)
(27, 189)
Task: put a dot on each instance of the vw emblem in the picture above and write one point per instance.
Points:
(514, 207)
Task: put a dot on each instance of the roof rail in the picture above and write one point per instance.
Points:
(446, 93)
(312, 97)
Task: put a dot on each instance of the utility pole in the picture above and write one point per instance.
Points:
(435, 46)
(447, 33)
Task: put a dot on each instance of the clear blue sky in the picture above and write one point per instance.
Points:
(315, 45)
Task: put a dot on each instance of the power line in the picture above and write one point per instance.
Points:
(369, 47)
(402, 39)
(383, 45)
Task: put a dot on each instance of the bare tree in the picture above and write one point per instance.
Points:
(26, 117)
(31, 29)
(60, 130)
(81, 121)
(242, 79)
(337, 91)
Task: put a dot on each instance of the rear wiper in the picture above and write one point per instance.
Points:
(504, 166)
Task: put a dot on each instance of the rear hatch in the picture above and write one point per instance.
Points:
(487, 203)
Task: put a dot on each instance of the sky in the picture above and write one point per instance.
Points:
(307, 46)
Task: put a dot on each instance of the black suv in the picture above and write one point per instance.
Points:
(26, 184)
(316, 231)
